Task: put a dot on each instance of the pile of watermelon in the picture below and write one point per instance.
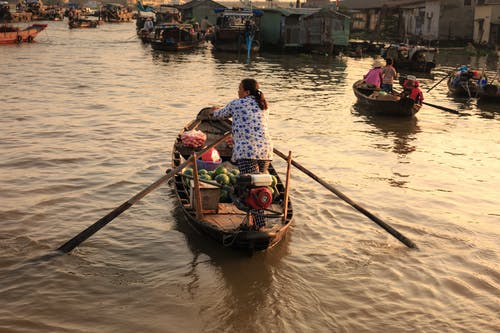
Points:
(224, 177)
(193, 138)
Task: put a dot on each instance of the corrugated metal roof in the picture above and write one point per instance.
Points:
(367, 4)
(195, 3)
(292, 11)
(330, 11)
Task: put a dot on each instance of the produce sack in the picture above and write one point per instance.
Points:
(193, 138)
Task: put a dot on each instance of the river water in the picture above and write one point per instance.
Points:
(88, 120)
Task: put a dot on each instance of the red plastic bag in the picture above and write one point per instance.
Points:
(211, 155)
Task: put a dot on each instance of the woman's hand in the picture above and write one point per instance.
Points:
(211, 112)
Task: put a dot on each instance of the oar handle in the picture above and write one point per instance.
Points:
(342, 196)
(85, 234)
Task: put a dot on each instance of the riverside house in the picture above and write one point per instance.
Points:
(308, 29)
(487, 23)
(413, 20)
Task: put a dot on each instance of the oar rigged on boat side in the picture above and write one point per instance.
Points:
(342, 196)
(444, 108)
(435, 85)
(85, 234)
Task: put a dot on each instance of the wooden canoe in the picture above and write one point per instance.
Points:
(13, 35)
(226, 223)
(386, 104)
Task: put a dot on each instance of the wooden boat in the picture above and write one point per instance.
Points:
(12, 35)
(83, 23)
(224, 221)
(387, 104)
(237, 30)
(411, 58)
(490, 91)
(466, 82)
(115, 13)
(463, 83)
(165, 14)
(175, 37)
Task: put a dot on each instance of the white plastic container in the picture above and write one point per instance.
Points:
(263, 179)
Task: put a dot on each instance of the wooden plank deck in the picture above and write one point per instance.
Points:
(229, 217)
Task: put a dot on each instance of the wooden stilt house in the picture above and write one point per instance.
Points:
(280, 27)
(325, 31)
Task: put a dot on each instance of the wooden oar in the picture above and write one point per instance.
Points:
(447, 76)
(342, 196)
(444, 108)
(82, 236)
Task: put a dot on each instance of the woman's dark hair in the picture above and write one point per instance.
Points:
(388, 61)
(253, 87)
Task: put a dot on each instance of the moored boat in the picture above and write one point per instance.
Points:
(413, 58)
(384, 103)
(490, 91)
(224, 212)
(237, 30)
(83, 22)
(175, 37)
(12, 35)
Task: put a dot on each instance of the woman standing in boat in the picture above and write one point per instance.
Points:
(253, 148)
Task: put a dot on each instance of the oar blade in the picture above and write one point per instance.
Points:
(342, 196)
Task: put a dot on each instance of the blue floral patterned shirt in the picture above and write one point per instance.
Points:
(250, 129)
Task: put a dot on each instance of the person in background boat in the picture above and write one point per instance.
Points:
(148, 25)
(389, 73)
(71, 14)
(411, 89)
(204, 25)
(253, 148)
(373, 78)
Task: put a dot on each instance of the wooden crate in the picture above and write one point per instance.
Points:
(210, 196)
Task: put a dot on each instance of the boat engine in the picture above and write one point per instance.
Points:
(252, 192)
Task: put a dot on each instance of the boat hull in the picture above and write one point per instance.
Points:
(83, 24)
(226, 224)
(233, 41)
(18, 36)
(390, 105)
(463, 88)
(174, 46)
(175, 37)
(469, 87)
